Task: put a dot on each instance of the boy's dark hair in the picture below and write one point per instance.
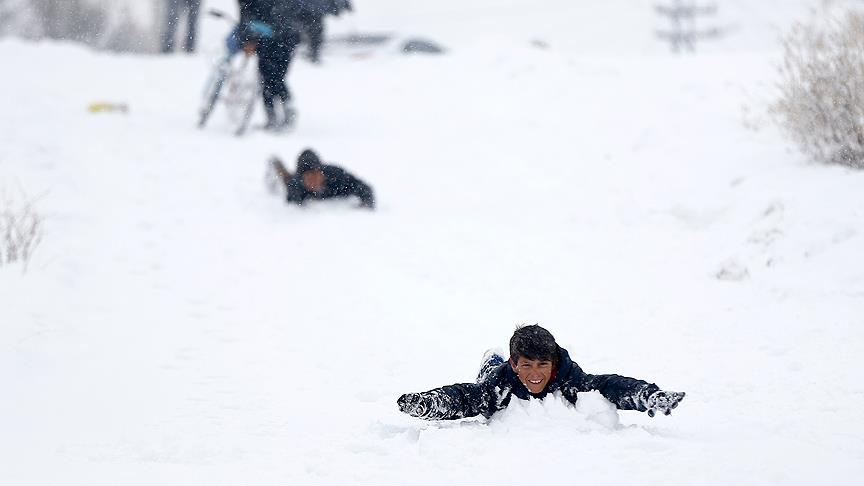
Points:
(534, 343)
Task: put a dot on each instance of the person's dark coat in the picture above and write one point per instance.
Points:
(322, 7)
(501, 385)
(311, 18)
(279, 15)
(339, 183)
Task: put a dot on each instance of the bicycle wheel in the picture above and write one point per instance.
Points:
(212, 90)
(247, 114)
(241, 94)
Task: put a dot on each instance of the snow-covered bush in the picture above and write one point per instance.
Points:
(821, 104)
(20, 231)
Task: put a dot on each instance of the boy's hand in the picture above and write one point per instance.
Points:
(663, 401)
(412, 404)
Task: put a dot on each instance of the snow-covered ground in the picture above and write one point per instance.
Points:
(181, 325)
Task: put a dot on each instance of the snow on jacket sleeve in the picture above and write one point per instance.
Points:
(459, 401)
(626, 393)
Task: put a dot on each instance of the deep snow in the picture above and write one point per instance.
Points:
(180, 325)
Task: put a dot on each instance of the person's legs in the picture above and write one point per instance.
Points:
(172, 14)
(274, 58)
(286, 49)
(315, 30)
(492, 359)
(280, 85)
(269, 82)
(193, 7)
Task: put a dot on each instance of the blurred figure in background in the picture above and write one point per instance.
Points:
(312, 14)
(316, 180)
(270, 28)
(172, 18)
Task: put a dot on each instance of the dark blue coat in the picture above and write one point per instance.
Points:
(322, 7)
(281, 17)
(495, 392)
(338, 183)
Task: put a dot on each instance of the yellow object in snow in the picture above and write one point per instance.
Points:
(105, 107)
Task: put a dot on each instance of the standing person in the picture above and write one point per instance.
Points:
(536, 368)
(172, 18)
(270, 29)
(311, 15)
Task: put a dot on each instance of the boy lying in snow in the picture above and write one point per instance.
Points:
(314, 180)
(537, 367)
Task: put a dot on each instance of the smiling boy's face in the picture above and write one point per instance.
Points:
(534, 374)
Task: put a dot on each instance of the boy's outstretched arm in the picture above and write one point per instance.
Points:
(627, 393)
(446, 403)
(363, 191)
(663, 401)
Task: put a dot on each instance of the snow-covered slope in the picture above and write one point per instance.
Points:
(180, 325)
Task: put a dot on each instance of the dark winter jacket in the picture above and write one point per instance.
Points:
(279, 15)
(322, 7)
(495, 392)
(339, 183)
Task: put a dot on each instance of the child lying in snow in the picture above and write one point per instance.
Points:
(314, 180)
(537, 366)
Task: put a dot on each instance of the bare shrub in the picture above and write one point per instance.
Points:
(821, 104)
(20, 231)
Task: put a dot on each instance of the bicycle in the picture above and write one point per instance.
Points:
(232, 83)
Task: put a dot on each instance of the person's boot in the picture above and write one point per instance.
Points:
(272, 120)
(492, 359)
(289, 114)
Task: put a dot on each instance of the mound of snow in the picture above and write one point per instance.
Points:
(555, 415)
